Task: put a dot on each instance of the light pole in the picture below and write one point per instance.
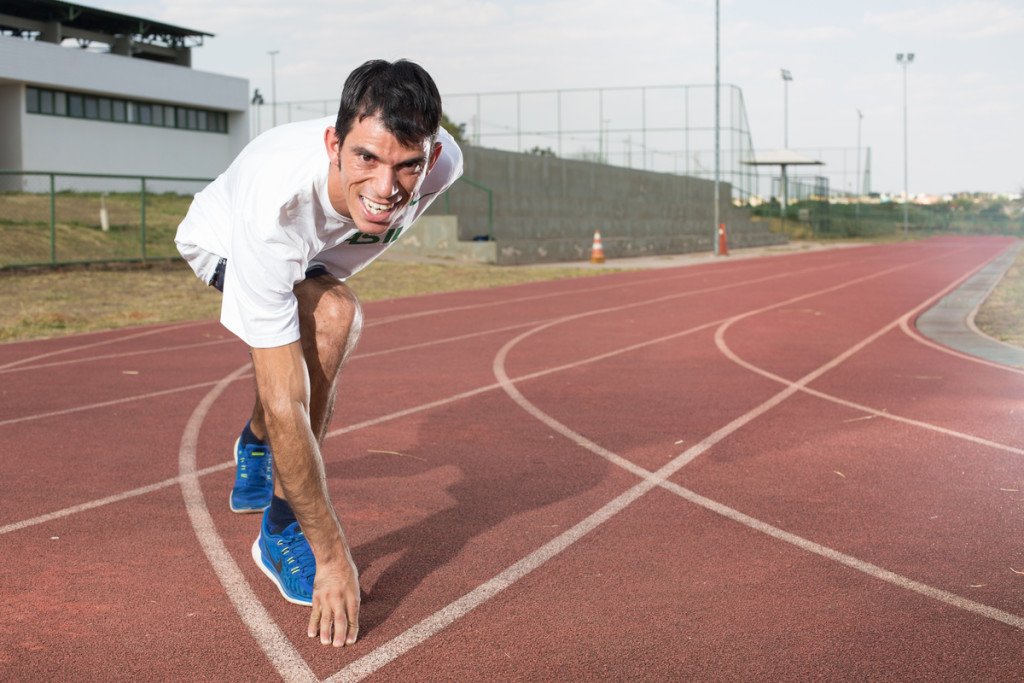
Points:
(786, 78)
(715, 240)
(860, 118)
(905, 60)
(273, 87)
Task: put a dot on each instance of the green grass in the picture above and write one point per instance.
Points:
(39, 304)
(1002, 315)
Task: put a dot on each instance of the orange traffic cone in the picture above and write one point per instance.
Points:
(597, 251)
(723, 242)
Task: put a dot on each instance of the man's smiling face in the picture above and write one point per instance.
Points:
(373, 175)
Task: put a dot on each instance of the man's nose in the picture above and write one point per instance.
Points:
(385, 182)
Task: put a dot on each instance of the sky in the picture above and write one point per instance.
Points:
(965, 93)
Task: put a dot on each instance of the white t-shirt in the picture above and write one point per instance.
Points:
(269, 215)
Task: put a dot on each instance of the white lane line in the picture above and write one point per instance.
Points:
(483, 389)
(275, 644)
(444, 617)
(880, 573)
(116, 498)
(114, 340)
(901, 322)
(105, 404)
(645, 302)
(659, 280)
(127, 354)
(914, 334)
(164, 392)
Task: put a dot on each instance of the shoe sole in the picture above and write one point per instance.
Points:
(241, 511)
(257, 557)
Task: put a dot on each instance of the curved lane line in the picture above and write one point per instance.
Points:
(903, 323)
(277, 647)
(661, 299)
(447, 615)
(916, 335)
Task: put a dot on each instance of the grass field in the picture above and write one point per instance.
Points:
(46, 303)
(40, 304)
(1002, 315)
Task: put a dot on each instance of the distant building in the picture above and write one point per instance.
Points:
(137, 108)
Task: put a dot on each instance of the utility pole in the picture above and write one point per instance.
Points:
(273, 87)
(714, 233)
(786, 78)
(905, 60)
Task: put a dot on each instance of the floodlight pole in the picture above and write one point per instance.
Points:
(786, 78)
(273, 87)
(905, 61)
(714, 233)
(860, 118)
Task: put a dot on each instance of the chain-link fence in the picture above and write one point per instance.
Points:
(667, 128)
(50, 218)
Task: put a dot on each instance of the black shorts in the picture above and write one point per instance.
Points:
(217, 281)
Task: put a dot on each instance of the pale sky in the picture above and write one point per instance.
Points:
(965, 90)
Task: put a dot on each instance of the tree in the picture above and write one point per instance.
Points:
(457, 130)
(542, 151)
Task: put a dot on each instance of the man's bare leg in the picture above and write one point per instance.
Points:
(330, 320)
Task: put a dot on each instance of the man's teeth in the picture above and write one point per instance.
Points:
(374, 207)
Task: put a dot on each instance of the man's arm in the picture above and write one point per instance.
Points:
(283, 383)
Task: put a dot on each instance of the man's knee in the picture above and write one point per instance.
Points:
(329, 309)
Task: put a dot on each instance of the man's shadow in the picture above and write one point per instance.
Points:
(507, 463)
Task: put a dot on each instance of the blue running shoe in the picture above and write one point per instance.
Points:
(287, 560)
(254, 478)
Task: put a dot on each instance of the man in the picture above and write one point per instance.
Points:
(301, 208)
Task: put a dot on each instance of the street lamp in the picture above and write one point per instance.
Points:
(786, 78)
(257, 103)
(273, 88)
(905, 60)
(860, 118)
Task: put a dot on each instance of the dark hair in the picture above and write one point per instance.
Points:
(402, 94)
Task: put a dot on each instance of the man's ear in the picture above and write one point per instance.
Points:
(434, 156)
(333, 146)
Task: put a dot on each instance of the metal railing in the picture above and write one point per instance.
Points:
(89, 201)
(57, 218)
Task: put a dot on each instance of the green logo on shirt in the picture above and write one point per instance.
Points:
(364, 238)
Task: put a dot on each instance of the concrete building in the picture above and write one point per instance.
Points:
(89, 91)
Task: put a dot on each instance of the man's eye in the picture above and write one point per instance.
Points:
(365, 158)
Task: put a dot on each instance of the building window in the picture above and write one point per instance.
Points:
(76, 106)
(92, 108)
(80, 106)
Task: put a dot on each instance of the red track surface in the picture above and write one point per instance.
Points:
(746, 470)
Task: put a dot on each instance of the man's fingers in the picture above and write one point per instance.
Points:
(314, 621)
(352, 610)
(326, 621)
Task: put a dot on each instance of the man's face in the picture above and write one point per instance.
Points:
(373, 175)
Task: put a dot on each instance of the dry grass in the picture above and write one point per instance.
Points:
(1002, 315)
(49, 304)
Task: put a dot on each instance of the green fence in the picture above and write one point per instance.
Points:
(55, 218)
(824, 220)
(50, 218)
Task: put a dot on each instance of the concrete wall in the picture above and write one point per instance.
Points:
(547, 209)
(437, 237)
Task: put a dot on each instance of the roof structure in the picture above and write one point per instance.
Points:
(782, 157)
(52, 21)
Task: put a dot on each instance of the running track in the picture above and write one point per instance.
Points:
(748, 470)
